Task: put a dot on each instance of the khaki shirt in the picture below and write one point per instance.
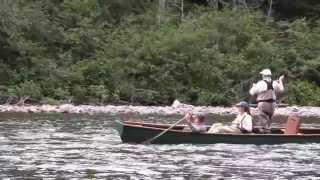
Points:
(243, 122)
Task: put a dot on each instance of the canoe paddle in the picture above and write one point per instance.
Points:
(149, 141)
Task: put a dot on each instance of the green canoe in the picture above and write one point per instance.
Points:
(138, 132)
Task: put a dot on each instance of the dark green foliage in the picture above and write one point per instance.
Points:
(26, 89)
(306, 93)
(100, 52)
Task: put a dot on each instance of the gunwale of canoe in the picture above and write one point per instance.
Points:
(156, 126)
(139, 132)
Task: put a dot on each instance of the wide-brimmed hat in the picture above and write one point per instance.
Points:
(242, 104)
(266, 72)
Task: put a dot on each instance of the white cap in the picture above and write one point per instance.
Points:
(266, 72)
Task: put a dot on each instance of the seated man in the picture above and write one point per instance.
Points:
(242, 123)
(196, 123)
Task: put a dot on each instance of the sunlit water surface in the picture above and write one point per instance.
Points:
(83, 147)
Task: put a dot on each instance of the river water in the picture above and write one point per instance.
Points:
(64, 146)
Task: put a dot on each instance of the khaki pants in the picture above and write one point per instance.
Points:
(220, 128)
(265, 113)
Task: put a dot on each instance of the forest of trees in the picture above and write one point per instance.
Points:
(151, 52)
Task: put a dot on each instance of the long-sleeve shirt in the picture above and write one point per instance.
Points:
(243, 122)
(262, 86)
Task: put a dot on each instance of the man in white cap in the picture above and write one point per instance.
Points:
(266, 91)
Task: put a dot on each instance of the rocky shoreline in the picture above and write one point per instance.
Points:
(176, 109)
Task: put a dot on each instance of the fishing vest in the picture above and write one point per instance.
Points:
(267, 95)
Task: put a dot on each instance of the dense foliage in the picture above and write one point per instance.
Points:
(117, 51)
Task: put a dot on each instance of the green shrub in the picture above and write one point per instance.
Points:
(61, 94)
(50, 101)
(79, 94)
(99, 92)
(304, 92)
(26, 89)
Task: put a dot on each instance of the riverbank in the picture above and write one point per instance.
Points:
(176, 109)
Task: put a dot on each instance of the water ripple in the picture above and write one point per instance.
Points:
(66, 146)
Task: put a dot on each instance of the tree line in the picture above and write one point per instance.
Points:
(117, 51)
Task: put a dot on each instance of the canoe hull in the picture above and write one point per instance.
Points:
(136, 134)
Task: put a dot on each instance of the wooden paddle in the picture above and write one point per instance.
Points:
(149, 141)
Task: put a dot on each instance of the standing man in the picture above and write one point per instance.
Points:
(266, 91)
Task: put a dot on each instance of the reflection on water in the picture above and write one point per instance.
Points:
(69, 146)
